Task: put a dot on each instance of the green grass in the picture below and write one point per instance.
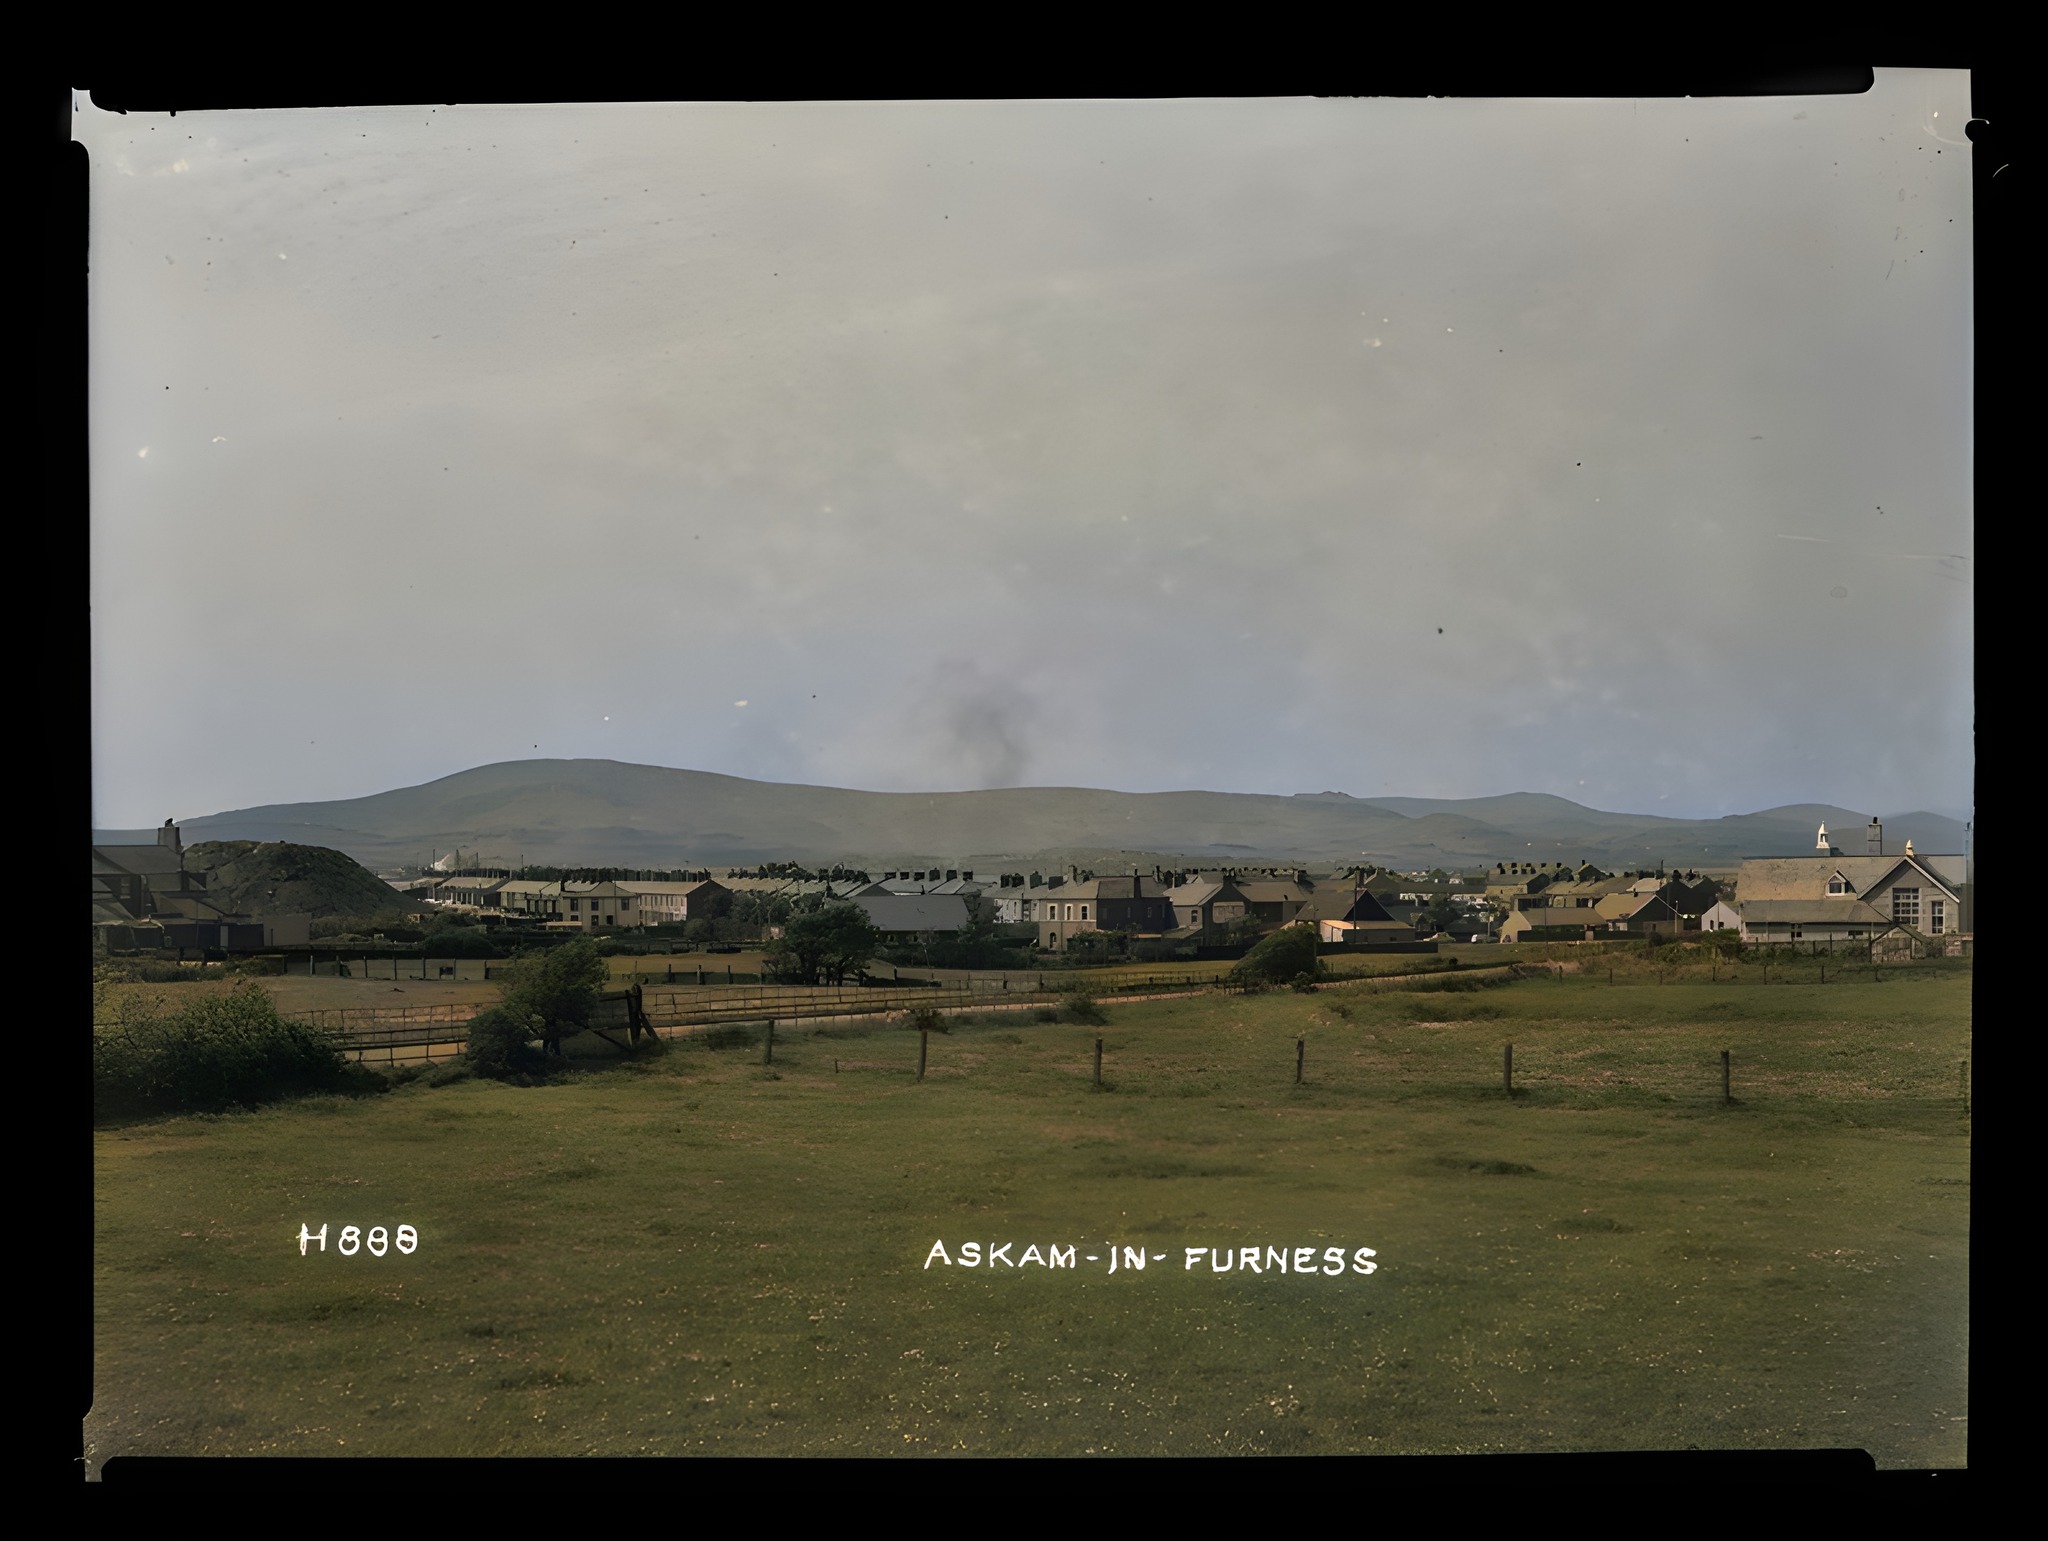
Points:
(697, 1253)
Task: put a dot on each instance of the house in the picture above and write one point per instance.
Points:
(1540, 925)
(1207, 902)
(670, 904)
(524, 896)
(1345, 914)
(589, 906)
(1721, 916)
(1135, 904)
(1510, 881)
(1830, 897)
(144, 897)
(472, 890)
(1276, 901)
(138, 882)
(1571, 893)
(1062, 909)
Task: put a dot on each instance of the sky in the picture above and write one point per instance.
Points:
(1440, 448)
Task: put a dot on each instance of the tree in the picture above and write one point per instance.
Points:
(551, 995)
(760, 909)
(825, 946)
(981, 921)
(1440, 914)
(1286, 955)
(1243, 931)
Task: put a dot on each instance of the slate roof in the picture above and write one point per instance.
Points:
(1132, 887)
(915, 912)
(1343, 904)
(1812, 912)
(149, 860)
(1806, 877)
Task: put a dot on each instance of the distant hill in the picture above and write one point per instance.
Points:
(603, 811)
(279, 878)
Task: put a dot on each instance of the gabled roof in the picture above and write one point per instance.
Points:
(1806, 877)
(1131, 887)
(635, 886)
(147, 860)
(1272, 891)
(1342, 904)
(1206, 891)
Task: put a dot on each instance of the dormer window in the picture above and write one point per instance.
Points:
(1838, 885)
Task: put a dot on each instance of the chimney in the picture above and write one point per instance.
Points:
(1876, 833)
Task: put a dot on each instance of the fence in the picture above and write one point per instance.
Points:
(677, 1012)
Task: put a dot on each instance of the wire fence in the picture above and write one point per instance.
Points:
(378, 1032)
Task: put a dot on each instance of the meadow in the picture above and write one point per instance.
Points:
(692, 1251)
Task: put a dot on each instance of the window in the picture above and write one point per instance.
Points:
(1084, 912)
(1798, 932)
(574, 905)
(1937, 916)
(1906, 906)
(1838, 884)
(1070, 912)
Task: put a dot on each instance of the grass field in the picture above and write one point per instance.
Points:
(693, 1252)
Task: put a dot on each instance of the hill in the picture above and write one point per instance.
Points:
(603, 811)
(278, 878)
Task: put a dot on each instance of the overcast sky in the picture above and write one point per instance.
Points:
(1439, 448)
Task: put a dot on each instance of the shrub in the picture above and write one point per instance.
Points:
(215, 1054)
(552, 994)
(500, 1045)
(1286, 955)
(925, 1019)
(1303, 984)
(1077, 1005)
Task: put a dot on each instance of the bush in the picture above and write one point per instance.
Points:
(500, 1045)
(1286, 955)
(1303, 984)
(1077, 1005)
(215, 1054)
(548, 997)
(925, 1019)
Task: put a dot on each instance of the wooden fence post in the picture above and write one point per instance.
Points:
(923, 1045)
(1098, 1063)
(768, 1056)
(1727, 1097)
(1300, 1056)
(1507, 1069)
